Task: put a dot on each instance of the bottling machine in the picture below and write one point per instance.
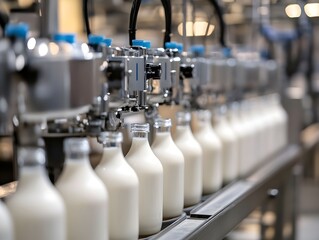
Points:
(53, 87)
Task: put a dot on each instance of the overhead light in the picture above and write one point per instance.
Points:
(43, 49)
(312, 9)
(197, 29)
(293, 10)
(31, 43)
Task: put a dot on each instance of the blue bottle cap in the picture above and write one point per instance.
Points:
(64, 37)
(147, 44)
(95, 39)
(70, 38)
(19, 30)
(227, 52)
(170, 45)
(107, 41)
(197, 49)
(58, 37)
(180, 47)
(137, 43)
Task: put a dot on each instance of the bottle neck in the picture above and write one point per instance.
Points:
(161, 136)
(183, 128)
(112, 144)
(140, 135)
(204, 123)
(76, 156)
(112, 153)
(163, 130)
(32, 176)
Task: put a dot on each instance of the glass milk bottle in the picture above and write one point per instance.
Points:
(84, 194)
(272, 123)
(257, 128)
(172, 160)
(282, 121)
(193, 157)
(230, 146)
(36, 207)
(149, 171)
(244, 116)
(261, 124)
(266, 116)
(122, 184)
(212, 152)
(6, 227)
(242, 131)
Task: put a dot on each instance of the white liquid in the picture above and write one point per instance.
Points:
(269, 134)
(149, 171)
(172, 160)
(36, 208)
(193, 157)
(257, 132)
(264, 126)
(6, 227)
(281, 120)
(212, 155)
(122, 184)
(85, 198)
(230, 149)
(244, 139)
(272, 127)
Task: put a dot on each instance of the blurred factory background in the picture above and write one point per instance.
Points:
(283, 30)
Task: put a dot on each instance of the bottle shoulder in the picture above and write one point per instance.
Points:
(142, 159)
(75, 175)
(119, 170)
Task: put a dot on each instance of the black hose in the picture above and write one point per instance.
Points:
(86, 16)
(4, 19)
(222, 25)
(133, 20)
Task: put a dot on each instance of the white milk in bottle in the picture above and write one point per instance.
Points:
(84, 194)
(36, 207)
(172, 160)
(262, 121)
(282, 121)
(230, 146)
(266, 117)
(242, 131)
(122, 184)
(149, 171)
(6, 228)
(272, 127)
(212, 152)
(250, 138)
(193, 157)
(258, 137)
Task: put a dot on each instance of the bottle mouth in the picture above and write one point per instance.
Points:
(110, 137)
(183, 117)
(140, 127)
(203, 115)
(159, 123)
(31, 156)
(76, 146)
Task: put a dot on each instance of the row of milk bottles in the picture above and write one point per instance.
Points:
(128, 197)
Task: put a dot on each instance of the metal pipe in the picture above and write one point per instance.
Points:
(48, 13)
(184, 8)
